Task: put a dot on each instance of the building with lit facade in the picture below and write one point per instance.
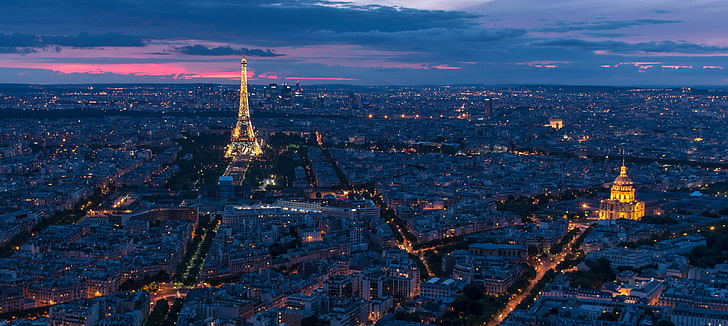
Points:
(556, 123)
(697, 316)
(622, 202)
(438, 288)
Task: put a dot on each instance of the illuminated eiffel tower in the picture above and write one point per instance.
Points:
(242, 140)
(243, 144)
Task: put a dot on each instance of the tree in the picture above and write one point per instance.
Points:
(473, 292)
(604, 266)
(600, 272)
(174, 312)
(159, 314)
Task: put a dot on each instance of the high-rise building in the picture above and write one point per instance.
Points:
(286, 93)
(488, 108)
(340, 286)
(298, 94)
(622, 202)
(271, 92)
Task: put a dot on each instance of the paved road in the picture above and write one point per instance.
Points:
(168, 290)
(515, 301)
(540, 272)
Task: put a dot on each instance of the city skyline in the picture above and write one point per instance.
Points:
(660, 43)
(353, 206)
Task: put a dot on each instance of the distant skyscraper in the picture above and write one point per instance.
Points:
(488, 108)
(354, 101)
(298, 94)
(271, 92)
(286, 95)
(203, 94)
(622, 202)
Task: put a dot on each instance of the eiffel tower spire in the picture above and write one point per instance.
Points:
(242, 140)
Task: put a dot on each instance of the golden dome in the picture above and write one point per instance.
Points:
(623, 179)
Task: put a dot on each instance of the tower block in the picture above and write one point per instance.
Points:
(242, 140)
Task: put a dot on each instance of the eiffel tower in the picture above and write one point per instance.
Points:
(242, 140)
(243, 144)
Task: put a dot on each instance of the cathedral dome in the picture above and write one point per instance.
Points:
(622, 202)
(623, 179)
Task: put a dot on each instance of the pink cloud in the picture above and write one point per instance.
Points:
(223, 75)
(446, 67)
(637, 64)
(678, 67)
(320, 78)
(542, 64)
(713, 67)
(134, 69)
(678, 54)
(268, 76)
(155, 49)
(643, 66)
(660, 54)
(179, 70)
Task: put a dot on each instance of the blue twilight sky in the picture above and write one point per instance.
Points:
(367, 42)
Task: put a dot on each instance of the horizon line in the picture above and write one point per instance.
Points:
(510, 85)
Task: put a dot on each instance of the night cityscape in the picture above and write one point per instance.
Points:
(400, 163)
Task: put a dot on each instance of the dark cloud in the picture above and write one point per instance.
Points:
(607, 35)
(203, 50)
(564, 27)
(85, 40)
(421, 36)
(260, 53)
(449, 41)
(261, 24)
(20, 40)
(17, 50)
(257, 21)
(82, 40)
(198, 49)
(624, 47)
(19, 43)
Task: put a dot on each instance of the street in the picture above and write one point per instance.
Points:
(540, 272)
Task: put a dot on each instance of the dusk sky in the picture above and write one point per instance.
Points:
(366, 42)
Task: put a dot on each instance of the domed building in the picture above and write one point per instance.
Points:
(622, 202)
